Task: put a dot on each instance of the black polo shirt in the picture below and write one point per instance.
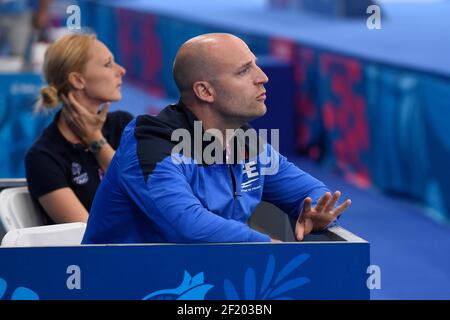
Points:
(53, 162)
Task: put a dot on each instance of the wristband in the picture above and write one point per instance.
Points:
(95, 146)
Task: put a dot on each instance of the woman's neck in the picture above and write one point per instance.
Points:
(65, 130)
(89, 104)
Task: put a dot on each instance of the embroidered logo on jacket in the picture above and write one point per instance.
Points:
(252, 174)
(250, 169)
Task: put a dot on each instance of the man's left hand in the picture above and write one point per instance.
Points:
(319, 217)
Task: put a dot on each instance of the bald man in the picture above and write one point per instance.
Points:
(168, 183)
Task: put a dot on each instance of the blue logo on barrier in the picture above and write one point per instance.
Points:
(271, 287)
(191, 288)
(20, 293)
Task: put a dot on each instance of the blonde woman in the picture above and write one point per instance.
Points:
(65, 165)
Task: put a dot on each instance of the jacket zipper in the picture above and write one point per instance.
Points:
(235, 193)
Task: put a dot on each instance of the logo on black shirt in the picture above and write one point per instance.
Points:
(78, 177)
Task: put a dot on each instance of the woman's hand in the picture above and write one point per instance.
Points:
(86, 125)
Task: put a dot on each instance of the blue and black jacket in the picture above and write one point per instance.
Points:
(148, 195)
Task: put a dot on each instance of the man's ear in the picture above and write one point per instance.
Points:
(76, 80)
(204, 91)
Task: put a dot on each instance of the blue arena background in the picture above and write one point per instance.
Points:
(370, 105)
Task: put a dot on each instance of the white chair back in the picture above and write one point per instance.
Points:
(17, 210)
(65, 234)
